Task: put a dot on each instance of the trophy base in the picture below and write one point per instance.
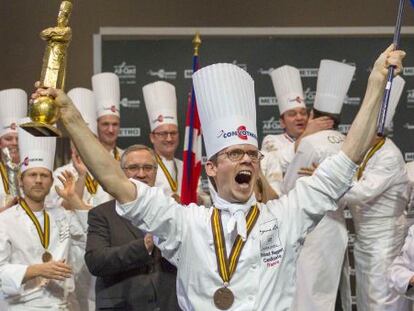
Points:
(41, 129)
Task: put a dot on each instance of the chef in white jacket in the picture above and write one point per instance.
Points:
(106, 88)
(279, 150)
(410, 210)
(260, 275)
(401, 272)
(87, 188)
(161, 104)
(378, 201)
(13, 106)
(35, 241)
(321, 259)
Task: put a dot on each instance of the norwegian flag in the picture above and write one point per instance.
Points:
(192, 148)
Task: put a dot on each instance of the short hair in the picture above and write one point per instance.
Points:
(138, 147)
(334, 116)
(214, 160)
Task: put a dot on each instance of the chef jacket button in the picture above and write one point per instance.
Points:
(254, 266)
(250, 298)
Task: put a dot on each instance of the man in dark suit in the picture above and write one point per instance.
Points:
(131, 275)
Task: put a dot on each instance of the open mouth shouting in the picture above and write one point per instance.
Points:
(243, 178)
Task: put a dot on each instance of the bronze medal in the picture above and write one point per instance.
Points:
(46, 257)
(223, 298)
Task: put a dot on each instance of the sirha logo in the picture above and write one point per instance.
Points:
(26, 161)
(297, 99)
(240, 132)
(160, 119)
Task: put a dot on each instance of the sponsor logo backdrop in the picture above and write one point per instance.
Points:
(141, 61)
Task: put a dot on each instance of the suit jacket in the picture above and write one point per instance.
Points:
(128, 278)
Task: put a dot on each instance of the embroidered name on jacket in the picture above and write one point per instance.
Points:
(271, 250)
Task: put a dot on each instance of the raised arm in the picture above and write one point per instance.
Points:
(102, 166)
(364, 126)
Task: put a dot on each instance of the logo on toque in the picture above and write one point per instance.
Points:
(113, 108)
(13, 126)
(242, 132)
(298, 99)
(26, 161)
(160, 118)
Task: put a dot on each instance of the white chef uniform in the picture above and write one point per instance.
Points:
(402, 270)
(20, 244)
(378, 201)
(321, 260)
(265, 276)
(161, 104)
(84, 100)
(289, 92)
(410, 210)
(13, 106)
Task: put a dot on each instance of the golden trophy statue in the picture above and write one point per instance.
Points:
(44, 112)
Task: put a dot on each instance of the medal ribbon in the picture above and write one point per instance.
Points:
(4, 178)
(116, 154)
(172, 182)
(44, 235)
(227, 266)
(370, 154)
(91, 184)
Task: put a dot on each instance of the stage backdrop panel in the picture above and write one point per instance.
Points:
(140, 61)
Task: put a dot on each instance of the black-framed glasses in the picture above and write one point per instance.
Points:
(164, 134)
(238, 154)
(134, 168)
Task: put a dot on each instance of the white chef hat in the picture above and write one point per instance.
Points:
(84, 100)
(13, 106)
(396, 91)
(226, 106)
(161, 103)
(288, 88)
(107, 93)
(334, 80)
(35, 151)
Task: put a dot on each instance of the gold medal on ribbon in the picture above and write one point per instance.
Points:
(171, 181)
(223, 297)
(46, 257)
(44, 234)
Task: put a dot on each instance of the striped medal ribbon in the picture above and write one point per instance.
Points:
(91, 184)
(4, 178)
(44, 234)
(369, 155)
(116, 154)
(171, 181)
(223, 297)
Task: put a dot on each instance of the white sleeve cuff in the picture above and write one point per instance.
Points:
(342, 166)
(141, 189)
(11, 279)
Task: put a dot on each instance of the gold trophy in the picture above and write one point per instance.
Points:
(44, 112)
